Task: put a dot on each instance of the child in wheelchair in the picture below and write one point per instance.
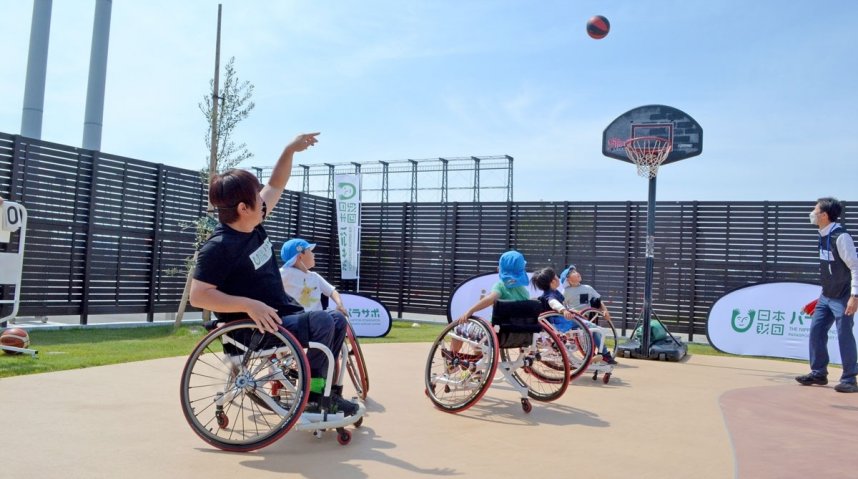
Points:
(526, 350)
(547, 281)
(511, 287)
(308, 287)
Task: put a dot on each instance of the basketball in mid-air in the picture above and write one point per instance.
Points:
(598, 27)
(15, 337)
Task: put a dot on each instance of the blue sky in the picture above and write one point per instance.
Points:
(772, 82)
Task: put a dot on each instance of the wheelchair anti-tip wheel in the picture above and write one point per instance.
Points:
(227, 383)
(461, 365)
(545, 369)
(355, 363)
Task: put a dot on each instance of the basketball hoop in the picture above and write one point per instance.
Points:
(648, 153)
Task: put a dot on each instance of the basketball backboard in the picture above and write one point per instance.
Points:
(661, 121)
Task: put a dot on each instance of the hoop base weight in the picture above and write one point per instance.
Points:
(667, 349)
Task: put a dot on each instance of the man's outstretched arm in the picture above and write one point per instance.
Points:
(283, 169)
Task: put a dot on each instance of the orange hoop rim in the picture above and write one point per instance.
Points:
(648, 153)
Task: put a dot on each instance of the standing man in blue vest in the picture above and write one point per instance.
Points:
(838, 268)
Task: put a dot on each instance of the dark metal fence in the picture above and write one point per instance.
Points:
(107, 235)
(413, 255)
(110, 235)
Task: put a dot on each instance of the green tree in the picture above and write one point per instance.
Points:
(235, 105)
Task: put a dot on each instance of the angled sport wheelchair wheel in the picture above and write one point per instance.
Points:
(461, 365)
(606, 326)
(355, 363)
(543, 366)
(241, 389)
(579, 347)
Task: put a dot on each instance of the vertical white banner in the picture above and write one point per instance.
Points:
(347, 188)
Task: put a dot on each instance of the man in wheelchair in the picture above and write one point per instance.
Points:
(236, 275)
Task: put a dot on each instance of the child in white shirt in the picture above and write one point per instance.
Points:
(306, 286)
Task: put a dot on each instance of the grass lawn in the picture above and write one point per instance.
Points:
(60, 350)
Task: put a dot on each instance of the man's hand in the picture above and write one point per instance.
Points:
(851, 306)
(264, 316)
(568, 314)
(302, 142)
(283, 169)
(343, 310)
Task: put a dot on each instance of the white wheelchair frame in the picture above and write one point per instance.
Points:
(13, 217)
(599, 366)
(455, 372)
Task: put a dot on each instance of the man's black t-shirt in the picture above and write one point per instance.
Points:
(243, 264)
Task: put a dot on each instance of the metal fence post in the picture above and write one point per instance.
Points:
(156, 245)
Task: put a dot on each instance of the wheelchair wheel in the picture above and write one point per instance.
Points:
(598, 318)
(579, 347)
(227, 383)
(461, 365)
(355, 363)
(545, 370)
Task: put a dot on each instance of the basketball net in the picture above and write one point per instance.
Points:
(648, 153)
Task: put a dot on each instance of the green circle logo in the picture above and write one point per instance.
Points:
(742, 322)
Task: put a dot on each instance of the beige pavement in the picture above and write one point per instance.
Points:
(654, 419)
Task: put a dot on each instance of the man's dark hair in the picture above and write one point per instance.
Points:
(229, 189)
(832, 206)
(542, 279)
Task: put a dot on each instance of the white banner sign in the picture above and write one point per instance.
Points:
(348, 224)
(767, 320)
(474, 289)
(368, 317)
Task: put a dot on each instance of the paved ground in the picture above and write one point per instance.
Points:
(654, 419)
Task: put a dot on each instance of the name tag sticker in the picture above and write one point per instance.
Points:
(262, 254)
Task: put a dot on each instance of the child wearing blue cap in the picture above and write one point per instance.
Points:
(512, 285)
(578, 296)
(306, 286)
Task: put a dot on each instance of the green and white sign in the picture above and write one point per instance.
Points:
(348, 224)
(767, 320)
(368, 317)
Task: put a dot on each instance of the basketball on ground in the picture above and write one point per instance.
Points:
(598, 27)
(15, 337)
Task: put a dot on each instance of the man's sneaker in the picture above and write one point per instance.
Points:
(846, 388)
(811, 379)
(338, 404)
(609, 359)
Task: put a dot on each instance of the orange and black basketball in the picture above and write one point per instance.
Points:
(598, 27)
(15, 337)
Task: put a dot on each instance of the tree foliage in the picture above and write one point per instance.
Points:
(235, 105)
